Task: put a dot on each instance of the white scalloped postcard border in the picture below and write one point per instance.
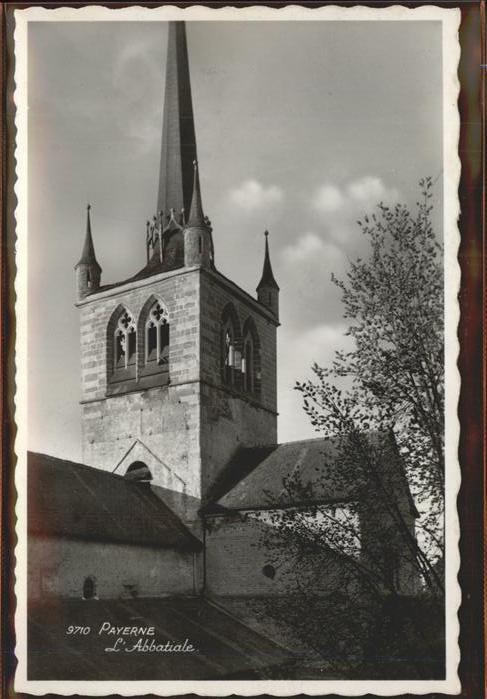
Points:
(450, 19)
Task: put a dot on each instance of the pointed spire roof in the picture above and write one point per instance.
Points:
(178, 150)
(267, 275)
(196, 216)
(88, 256)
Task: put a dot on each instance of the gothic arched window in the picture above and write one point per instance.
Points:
(231, 352)
(121, 351)
(157, 337)
(228, 353)
(248, 365)
(154, 344)
(251, 364)
(125, 342)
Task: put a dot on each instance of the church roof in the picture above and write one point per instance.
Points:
(298, 473)
(256, 476)
(68, 499)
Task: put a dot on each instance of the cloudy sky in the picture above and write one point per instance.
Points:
(301, 128)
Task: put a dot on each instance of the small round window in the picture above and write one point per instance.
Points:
(269, 571)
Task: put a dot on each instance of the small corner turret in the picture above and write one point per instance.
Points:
(198, 243)
(88, 271)
(268, 289)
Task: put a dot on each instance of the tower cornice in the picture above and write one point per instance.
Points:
(218, 277)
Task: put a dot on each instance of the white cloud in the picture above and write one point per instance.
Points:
(328, 198)
(309, 247)
(341, 205)
(353, 198)
(370, 190)
(305, 246)
(252, 195)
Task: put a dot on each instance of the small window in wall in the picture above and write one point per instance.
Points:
(89, 588)
(138, 471)
(269, 571)
(47, 582)
(130, 590)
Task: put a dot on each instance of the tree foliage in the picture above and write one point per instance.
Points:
(394, 302)
(382, 407)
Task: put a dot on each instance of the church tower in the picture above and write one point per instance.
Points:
(178, 362)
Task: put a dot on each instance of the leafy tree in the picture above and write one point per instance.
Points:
(394, 301)
(381, 403)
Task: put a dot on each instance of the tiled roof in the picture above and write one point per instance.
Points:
(68, 499)
(259, 475)
(296, 473)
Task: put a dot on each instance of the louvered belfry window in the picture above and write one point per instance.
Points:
(125, 342)
(157, 337)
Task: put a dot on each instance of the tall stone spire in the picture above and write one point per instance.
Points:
(268, 289)
(178, 150)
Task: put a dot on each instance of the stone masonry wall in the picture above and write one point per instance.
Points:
(236, 556)
(59, 567)
(230, 418)
(196, 423)
(166, 419)
(216, 293)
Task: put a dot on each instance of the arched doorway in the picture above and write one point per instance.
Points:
(89, 588)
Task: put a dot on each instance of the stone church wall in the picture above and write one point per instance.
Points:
(166, 419)
(231, 418)
(237, 560)
(59, 567)
(216, 293)
(229, 422)
(194, 425)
